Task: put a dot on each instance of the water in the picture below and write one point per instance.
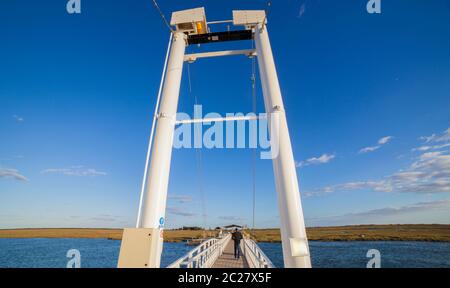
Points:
(39, 252)
(394, 254)
(51, 253)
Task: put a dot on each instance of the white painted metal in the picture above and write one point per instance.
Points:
(188, 15)
(154, 206)
(135, 247)
(293, 234)
(248, 17)
(291, 213)
(204, 255)
(192, 21)
(149, 149)
(195, 56)
(219, 22)
(254, 255)
(219, 119)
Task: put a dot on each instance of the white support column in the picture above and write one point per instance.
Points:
(154, 206)
(293, 233)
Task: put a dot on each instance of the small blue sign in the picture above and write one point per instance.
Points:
(161, 221)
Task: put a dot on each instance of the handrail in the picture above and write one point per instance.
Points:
(255, 257)
(204, 255)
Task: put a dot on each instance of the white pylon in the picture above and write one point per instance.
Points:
(293, 233)
(154, 204)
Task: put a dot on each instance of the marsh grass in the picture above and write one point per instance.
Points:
(416, 232)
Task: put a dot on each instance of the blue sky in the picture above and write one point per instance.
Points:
(77, 93)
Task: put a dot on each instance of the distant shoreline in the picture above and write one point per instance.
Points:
(408, 232)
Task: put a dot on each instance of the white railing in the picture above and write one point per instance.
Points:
(254, 255)
(204, 255)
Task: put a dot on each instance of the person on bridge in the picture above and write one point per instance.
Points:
(237, 236)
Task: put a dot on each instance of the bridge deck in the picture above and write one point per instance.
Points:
(227, 259)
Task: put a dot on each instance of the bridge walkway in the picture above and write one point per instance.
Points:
(227, 260)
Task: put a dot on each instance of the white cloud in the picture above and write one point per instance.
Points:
(180, 198)
(351, 186)
(302, 10)
(232, 218)
(443, 137)
(12, 173)
(369, 149)
(324, 158)
(18, 118)
(380, 215)
(385, 140)
(382, 141)
(434, 147)
(79, 171)
(179, 212)
(430, 173)
(11, 158)
(434, 142)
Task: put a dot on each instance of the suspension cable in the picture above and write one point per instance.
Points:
(155, 4)
(253, 81)
(198, 153)
(155, 115)
(267, 10)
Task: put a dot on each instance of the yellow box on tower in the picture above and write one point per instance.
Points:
(191, 21)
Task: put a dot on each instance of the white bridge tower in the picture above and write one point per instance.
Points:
(142, 246)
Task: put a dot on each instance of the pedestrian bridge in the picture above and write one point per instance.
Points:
(219, 253)
(141, 246)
